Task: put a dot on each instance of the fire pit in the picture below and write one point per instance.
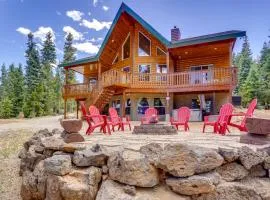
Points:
(155, 129)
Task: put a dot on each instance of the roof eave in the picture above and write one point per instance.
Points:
(79, 62)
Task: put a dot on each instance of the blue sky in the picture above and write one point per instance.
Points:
(89, 21)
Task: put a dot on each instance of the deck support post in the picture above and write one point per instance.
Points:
(214, 103)
(77, 109)
(65, 108)
(123, 107)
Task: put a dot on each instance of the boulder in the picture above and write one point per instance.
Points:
(232, 171)
(72, 147)
(208, 160)
(52, 143)
(111, 190)
(79, 184)
(197, 184)
(267, 163)
(250, 158)
(257, 171)
(178, 160)
(258, 126)
(58, 164)
(152, 151)
(132, 168)
(71, 125)
(90, 157)
(73, 137)
(229, 155)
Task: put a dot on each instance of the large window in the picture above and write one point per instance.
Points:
(144, 45)
(144, 71)
(159, 104)
(200, 74)
(161, 71)
(142, 105)
(126, 48)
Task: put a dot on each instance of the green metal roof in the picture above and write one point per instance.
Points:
(162, 39)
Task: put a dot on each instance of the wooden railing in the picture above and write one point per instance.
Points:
(226, 76)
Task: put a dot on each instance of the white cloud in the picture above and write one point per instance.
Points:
(105, 8)
(89, 13)
(87, 47)
(95, 2)
(96, 40)
(75, 14)
(42, 31)
(58, 13)
(76, 35)
(24, 31)
(95, 24)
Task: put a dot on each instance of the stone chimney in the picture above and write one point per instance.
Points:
(175, 34)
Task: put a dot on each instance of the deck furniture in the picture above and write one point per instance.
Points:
(249, 113)
(183, 116)
(150, 116)
(115, 120)
(85, 116)
(98, 120)
(221, 123)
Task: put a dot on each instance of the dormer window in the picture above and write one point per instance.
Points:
(144, 45)
(126, 48)
(160, 52)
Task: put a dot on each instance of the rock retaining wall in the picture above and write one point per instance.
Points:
(54, 170)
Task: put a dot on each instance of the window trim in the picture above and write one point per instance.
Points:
(139, 44)
(123, 47)
(160, 50)
(117, 55)
(208, 65)
(144, 64)
(162, 64)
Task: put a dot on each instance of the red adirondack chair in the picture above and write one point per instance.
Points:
(221, 124)
(183, 115)
(150, 114)
(98, 120)
(115, 120)
(249, 113)
(85, 116)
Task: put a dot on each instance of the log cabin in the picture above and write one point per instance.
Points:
(136, 68)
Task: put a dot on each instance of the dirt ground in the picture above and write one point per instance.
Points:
(14, 132)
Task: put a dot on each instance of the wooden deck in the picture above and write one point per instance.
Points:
(208, 80)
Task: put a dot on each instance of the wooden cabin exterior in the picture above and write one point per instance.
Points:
(136, 67)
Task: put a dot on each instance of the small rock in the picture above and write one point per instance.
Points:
(56, 131)
(229, 155)
(105, 169)
(232, 171)
(58, 164)
(72, 147)
(104, 177)
(89, 157)
(132, 168)
(267, 163)
(131, 190)
(52, 143)
(257, 171)
(250, 158)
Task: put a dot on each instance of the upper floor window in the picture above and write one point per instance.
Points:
(126, 48)
(160, 52)
(144, 45)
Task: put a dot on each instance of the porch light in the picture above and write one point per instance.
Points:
(186, 52)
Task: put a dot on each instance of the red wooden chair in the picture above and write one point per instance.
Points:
(98, 120)
(115, 120)
(249, 113)
(150, 114)
(85, 116)
(221, 124)
(183, 115)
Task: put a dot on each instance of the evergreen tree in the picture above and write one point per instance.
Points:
(32, 107)
(245, 62)
(236, 63)
(69, 55)
(3, 79)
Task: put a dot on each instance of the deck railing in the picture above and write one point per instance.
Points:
(226, 76)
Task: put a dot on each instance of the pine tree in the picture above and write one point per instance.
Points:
(48, 57)
(3, 81)
(245, 62)
(32, 107)
(236, 60)
(69, 55)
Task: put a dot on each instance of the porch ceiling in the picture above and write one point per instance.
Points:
(88, 69)
(202, 50)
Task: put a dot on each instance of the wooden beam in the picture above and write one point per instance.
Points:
(77, 113)
(123, 105)
(99, 71)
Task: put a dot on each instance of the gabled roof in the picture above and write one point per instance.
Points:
(162, 39)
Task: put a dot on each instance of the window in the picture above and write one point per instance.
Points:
(159, 104)
(200, 74)
(160, 52)
(144, 71)
(161, 69)
(128, 106)
(126, 69)
(144, 45)
(126, 48)
(115, 59)
(142, 105)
